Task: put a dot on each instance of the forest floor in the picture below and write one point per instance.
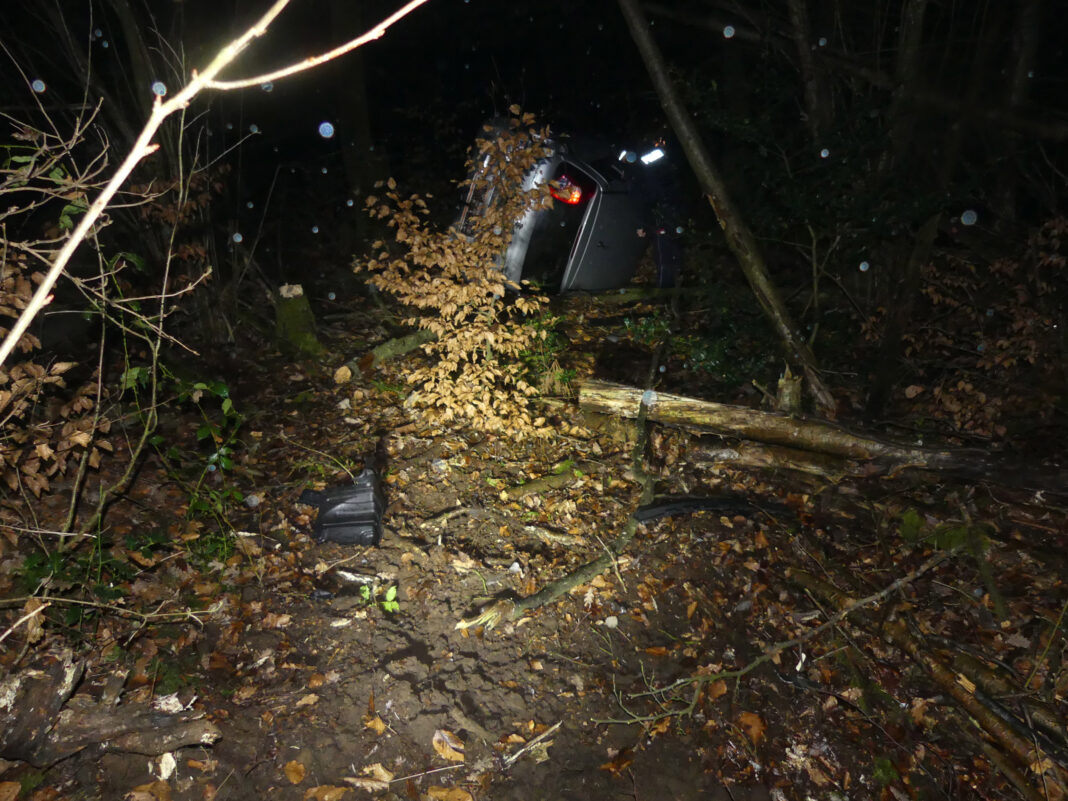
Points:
(335, 671)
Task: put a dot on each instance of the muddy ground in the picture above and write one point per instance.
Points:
(321, 689)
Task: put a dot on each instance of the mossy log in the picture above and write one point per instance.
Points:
(295, 322)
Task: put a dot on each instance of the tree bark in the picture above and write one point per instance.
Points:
(907, 76)
(295, 322)
(817, 99)
(142, 74)
(739, 238)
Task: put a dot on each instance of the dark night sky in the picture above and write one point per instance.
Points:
(438, 73)
(453, 63)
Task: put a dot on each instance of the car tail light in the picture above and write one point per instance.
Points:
(566, 190)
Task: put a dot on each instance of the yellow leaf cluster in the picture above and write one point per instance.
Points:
(475, 377)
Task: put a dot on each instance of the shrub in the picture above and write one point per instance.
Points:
(476, 373)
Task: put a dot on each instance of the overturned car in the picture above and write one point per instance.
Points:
(599, 224)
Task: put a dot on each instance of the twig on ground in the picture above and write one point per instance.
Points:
(512, 758)
(144, 617)
(24, 619)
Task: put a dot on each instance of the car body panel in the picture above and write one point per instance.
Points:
(593, 245)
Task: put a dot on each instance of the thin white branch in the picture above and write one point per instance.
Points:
(23, 619)
(144, 146)
(313, 61)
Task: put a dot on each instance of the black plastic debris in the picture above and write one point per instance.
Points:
(671, 506)
(350, 515)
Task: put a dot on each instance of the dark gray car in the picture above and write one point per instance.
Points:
(598, 227)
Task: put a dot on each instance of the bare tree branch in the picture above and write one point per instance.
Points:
(144, 146)
(313, 61)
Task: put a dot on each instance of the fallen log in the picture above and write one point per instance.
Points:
(864, 454)
(41, 723)
(390, 349)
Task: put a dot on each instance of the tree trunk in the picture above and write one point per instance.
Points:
(817, 99)
(904, 301)
(990, 114)
(1024, 52)
(906, 75)
(142, 74)
(739, 238)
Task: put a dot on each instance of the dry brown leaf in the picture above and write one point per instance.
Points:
(343, 374)
(295, 771)
(153, 791)
(141, 559)
(717, 689)
(1041, 765)
(753, 726)
(619, 762)
(325, 792)
(375, 724)
(34, 623)
(448, 746)
(819, 778)
(308, 700)
(376, 771)
(659, 727)
(9, 791)
(373, 778)
(275, 621)
(448, 794)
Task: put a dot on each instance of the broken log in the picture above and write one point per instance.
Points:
(41, 723)
(864, 453)
(705, 453)
(390, 349)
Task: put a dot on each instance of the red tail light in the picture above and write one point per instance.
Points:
(566, 191)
